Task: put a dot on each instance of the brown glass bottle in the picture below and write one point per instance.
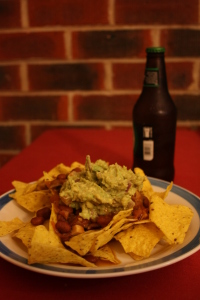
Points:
(154, 120)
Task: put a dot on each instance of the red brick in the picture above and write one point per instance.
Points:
(4, 158)
(188, 107)
(128, 75)
(9, 78)
(34, 108)
(68, 12)
(179, 75)
(156, 12)
(75, 76)
(12, 137)
(181, 42)
(31, 45)
(110, 44)
(97, 107)
(10, 14)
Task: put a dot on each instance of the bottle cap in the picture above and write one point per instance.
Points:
(155, 50)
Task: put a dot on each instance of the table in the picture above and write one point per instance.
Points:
(178, 281)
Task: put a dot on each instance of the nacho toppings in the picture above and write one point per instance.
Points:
(79, 210)
(100, 189)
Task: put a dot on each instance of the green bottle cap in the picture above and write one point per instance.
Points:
(155, 50)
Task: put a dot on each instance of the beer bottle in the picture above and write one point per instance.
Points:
(154, 120)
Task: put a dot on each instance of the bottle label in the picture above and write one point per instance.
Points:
(151, 77)
(148, 150)
(148, 143)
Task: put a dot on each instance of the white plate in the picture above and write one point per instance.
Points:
(162, 255)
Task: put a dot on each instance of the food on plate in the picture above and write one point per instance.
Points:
(140, 239)
(7, 227)
(77, 212)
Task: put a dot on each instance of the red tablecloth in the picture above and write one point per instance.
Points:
(178, 281)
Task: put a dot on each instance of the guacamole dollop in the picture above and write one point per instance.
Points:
(100, 188)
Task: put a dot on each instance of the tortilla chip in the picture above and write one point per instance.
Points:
(53, 217)
(25, 234)
(45, 248)
(121, 215)
(83, 242)
(142, 221)
(19, 187)
(109, 232)
(147, 188)
(23, 188)
(33, 201)
(7, 227)
(106, 253)
(140, 239)
(61, 169)
(31, 187)
(53, 220)
(76, 164)
(164, 194)
(173, 220)
(53, 173)
(136, 257)
(139, 171)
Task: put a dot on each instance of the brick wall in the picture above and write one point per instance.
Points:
(67, 63)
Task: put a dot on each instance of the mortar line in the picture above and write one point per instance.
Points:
(70, 107)
(111, 12)
(24, 14)
(24, 77)
(68, 44)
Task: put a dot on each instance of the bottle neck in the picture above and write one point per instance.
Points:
(155, 73)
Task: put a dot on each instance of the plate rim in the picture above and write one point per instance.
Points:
(115, 271)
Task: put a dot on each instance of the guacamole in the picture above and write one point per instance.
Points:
(100, 188)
